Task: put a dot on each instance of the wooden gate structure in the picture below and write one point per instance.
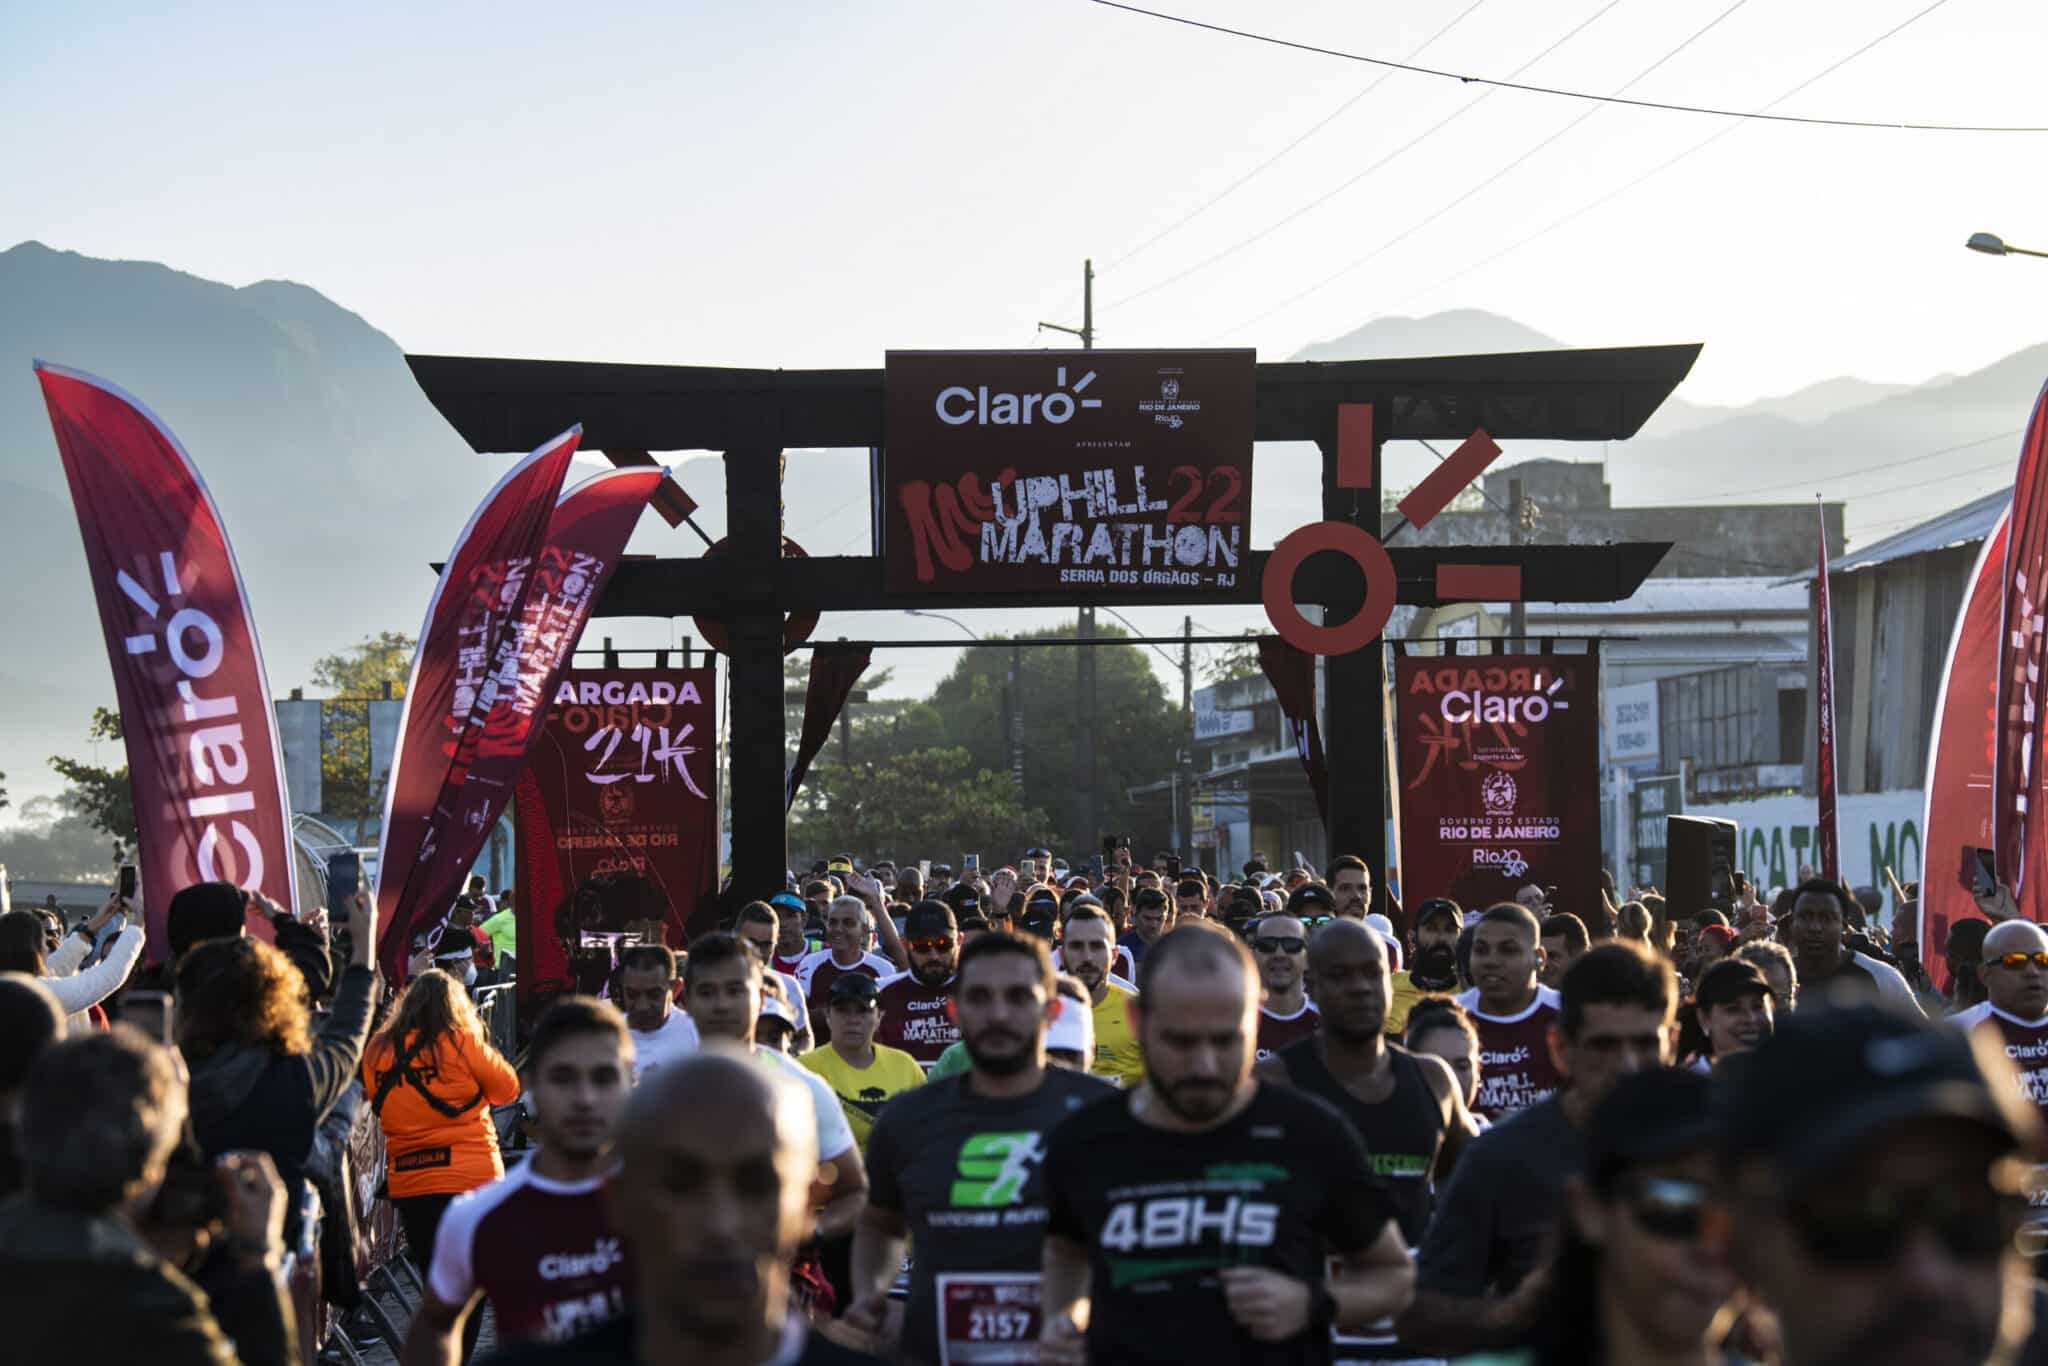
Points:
(751, 417)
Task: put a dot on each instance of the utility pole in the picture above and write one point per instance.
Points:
(1518, 618)
(1184, 793)
(1086, 331)
(1087, 807)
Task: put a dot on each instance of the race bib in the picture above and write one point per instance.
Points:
(988, 1318)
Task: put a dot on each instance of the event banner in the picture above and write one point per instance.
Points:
(1959, 759)
(474, 659)
(1499, 758)
(1829, 843)
(2019, 784)
(1019, 471)
(203, 756)
(617, 813)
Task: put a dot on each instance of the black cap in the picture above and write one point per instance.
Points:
(1648, 1117)
(857, 987)
(205, 910)
(1311, 898)
(1436, 906)
(963, 897)
(1729, 980)
(942, 870)
(974, 922)
(1036, 852)
(931, 917)
(1830, 1080)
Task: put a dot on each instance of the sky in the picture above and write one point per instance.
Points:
(811, 184)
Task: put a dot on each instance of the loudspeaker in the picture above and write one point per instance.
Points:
(1699, 865)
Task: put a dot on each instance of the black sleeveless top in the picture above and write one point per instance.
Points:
(1402, 1133)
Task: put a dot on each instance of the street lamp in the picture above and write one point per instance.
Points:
(1991, 244)
(941, 616)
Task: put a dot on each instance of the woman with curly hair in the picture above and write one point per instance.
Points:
(432, 1079)
(262, 1079)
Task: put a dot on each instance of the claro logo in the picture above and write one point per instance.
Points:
(959, 406)
(1460, 706)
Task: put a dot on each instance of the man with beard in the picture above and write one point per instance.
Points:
(917, 1005)
(1872, 1194)
(1496, 1218)
(1280, 948)
(957, 1165)
(722, 991)
(1205, 1215)
(1735, 1009)
(539, 1241)
(647, 992)
(1830, 972)
(1351, 885)
(1514, 1012)
(1407, 1107)
(1438, 923)
(712, 1196)
(1085, 952)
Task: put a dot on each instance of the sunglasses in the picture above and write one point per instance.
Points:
(1666, 1207)
(1288, 944)
(1869, 1227)
(934, 944)
(2017, 961)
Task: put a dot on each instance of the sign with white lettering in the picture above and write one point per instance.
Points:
(1016, 471)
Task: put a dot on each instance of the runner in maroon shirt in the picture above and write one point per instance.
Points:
(1514, 1013)
(2015, 973)
(916, 1006)
(537, 1241)
(1286, 1015)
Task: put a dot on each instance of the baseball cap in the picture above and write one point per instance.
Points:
(1715, 934)
(1729, 980)
(1038, 853)
(931, 917)
(1829, 1081)
(942, 870)
(856, 987)
(1436, 906)
(1073, 1027)
(840, 866)
(772, 1008)
(1311, 898)
(964, 898)
(788, 901)
(1648, 1117)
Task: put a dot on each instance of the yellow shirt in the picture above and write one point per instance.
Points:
(1403, 999)
(1116, 1043)
(863, 1092)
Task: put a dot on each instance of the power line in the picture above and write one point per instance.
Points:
(1511, 84)
(1511, 164)
(1331, 194)
(1668, 163)
(1136, 632)
(1809, 481)
(1311, 131)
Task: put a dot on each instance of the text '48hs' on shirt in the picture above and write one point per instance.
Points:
(967, 1173)
(1515, 1068)
(1281, 1185)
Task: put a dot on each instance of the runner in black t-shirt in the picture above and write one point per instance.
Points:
(958, 1164)
(714, 1197)
(1194, 1214)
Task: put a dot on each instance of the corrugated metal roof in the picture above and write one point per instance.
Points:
(1957, 526)
(1712, 597)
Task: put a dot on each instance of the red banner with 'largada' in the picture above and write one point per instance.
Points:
(203, 756)
(617, 813)
(1499, 772)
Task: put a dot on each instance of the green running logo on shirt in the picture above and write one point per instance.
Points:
(994, 1168)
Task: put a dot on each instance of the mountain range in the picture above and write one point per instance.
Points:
(339, 482)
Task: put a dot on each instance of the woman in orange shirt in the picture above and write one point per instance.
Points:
(432, 1079)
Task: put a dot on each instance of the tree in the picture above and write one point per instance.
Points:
(375, 668)
(1138, 733)
(52, 843)
(1231, 662)
(924, 803)
(3, 792)
(101, 796)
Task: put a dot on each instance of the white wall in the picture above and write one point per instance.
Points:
(1777, 835)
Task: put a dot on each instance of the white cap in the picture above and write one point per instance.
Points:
(773, 1008)
(1072, 1027)
(1381, 923)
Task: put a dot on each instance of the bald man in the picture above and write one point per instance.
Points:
(718, 1156)
(2015, 976)
(1189, 1218)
